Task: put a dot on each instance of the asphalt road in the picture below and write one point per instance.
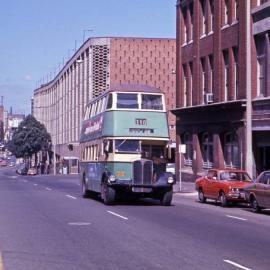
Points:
(45, 224)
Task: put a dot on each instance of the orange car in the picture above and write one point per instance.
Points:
(224, 185)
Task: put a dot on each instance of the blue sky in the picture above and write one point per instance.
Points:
(35, 35)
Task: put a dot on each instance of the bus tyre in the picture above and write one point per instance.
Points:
(107, 194)
(166, 198)
(85, 192)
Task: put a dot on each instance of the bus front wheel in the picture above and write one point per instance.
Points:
(166, 198)
(107, 194)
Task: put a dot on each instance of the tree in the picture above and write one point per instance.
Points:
(30, 138)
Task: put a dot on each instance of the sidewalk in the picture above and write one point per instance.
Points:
(186, 187)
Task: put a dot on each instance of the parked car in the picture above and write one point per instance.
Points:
(258, 193)
(32, 171)
(224, 185)
(22, 169)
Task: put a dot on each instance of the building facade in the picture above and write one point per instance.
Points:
(212, 87)
(95, 66)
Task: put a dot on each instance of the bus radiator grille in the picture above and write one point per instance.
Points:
(142, 172)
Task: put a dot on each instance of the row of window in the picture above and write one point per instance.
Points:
(230, 149)
(230, 77)
(124, 101)
(91, 153)
(206, 17)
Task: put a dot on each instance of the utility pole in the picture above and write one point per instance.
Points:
(249, 152)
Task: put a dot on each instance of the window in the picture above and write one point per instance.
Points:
(261, 59)
(207, 150)
(226, 12)
(236, 72)
(185, 85)
(211, 74)
(203, 78)
(191, 21)
(203, 17)
(152, 102)
(127, 101)
(226, 74)
(231, 150)
(236, 10)
(188, 156)
(191, 82)
(129, 146)
(109, 102)
(185, 25)
(211, 16)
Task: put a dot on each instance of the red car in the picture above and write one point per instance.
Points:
(224, 185)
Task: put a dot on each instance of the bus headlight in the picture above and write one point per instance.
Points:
(112, 178)
(170, 180)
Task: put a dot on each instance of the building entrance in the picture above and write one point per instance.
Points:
(264, 159)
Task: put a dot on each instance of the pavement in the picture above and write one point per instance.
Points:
(186, 187)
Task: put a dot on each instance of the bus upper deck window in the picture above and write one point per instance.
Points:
(152, 102)
(109, 102)
(127, 101)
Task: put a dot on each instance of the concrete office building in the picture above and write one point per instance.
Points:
(212, 84)
(97, 64)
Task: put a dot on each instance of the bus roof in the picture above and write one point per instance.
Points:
(129, 88)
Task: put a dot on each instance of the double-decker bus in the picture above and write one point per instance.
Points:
(124, 145)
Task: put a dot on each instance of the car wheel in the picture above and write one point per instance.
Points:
(255, 206)
(223, 199)
(201, 196)
(166, 198)
(108, 194)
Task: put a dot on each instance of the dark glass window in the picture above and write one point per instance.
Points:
(127, 101)
(152, 102)
(109, 102)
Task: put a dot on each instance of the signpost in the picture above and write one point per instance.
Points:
(181, 150)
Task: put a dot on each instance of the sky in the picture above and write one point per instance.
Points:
(38, 36)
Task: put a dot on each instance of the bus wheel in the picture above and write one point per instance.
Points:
(107, 194)
(166, 198)
(85, 192)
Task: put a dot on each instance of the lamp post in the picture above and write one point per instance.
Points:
(249, 155)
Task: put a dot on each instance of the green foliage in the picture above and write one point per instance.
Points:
(30, 137)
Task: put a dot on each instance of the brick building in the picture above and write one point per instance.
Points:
(94, 67)
(212, 84)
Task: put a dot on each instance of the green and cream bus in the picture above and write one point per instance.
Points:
(124, 145)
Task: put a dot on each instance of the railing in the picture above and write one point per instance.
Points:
(207, 165)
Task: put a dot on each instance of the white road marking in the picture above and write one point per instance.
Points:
(236, 217)
(79, 223)
(115, 214)
(69, 196)
(35, 184)
(237, 265)
(25, 181)
(48, 189)
(14, 177)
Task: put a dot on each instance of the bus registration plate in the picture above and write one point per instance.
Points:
(142, 189)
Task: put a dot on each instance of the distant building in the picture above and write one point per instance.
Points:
(99, 63)
(211, 84)
(12, 123)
